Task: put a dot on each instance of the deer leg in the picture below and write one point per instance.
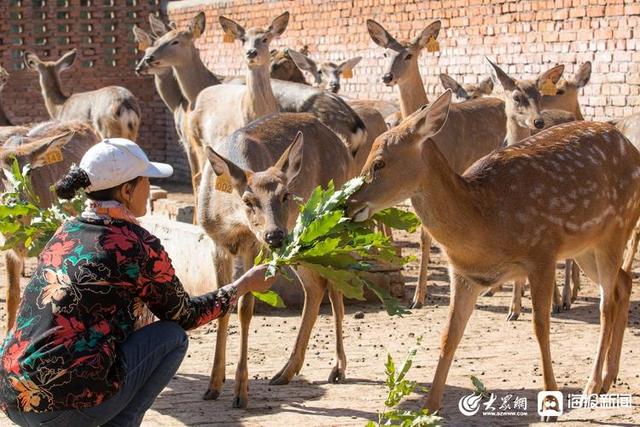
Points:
(223, 264)
(463, 299)
(421, 287)
(516, 301)
(622, 297)
(337, 304)
(14, 263)
(542, 284)
(632, 248)
(575, 278)
(314, 289)
(388, 232)
(245, 313)
(566, 290)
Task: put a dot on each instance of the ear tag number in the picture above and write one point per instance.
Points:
(347, 74)
(223, 183)
(549, 88)
(228, 38)
(52, 156)
(433, 45)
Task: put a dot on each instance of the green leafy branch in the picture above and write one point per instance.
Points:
(23, 223)
(399, 387)
(328, 242)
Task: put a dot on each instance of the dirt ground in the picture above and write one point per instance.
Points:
(504, 355)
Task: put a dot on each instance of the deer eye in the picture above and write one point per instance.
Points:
(516, 99)
(560, 92)
(286, 197)
(175, 42)
(385, 54)
(378, 164)
(408, 57)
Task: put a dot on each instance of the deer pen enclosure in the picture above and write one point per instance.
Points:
(461, 178)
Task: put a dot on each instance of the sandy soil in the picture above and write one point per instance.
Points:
(504, 355)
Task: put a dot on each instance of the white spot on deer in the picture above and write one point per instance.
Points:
(571, 226)
(521, 218)
(635, 173)
(586, 202)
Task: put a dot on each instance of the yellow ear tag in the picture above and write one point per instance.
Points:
(433, 45)
(347, 74)
(549, 88)
(223, 183)
(54, 155)
(228, 38)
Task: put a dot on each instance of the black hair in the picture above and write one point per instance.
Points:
(77, 179)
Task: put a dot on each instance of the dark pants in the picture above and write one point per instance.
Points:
(152, 355)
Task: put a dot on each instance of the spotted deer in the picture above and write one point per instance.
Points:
(531, 225)
(474, 129)
(464, 92)
(525, 117)
(113, 110)
(71, 140)
(566, 97)
(246, 200)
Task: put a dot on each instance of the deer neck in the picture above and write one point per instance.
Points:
(515, 132)
(412, 93)
(193, 76)
(258, 100)
(443, 200)
(4, 120)
(169, 90)
(54, 99)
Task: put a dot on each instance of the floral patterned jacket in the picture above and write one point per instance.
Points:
(79, 306)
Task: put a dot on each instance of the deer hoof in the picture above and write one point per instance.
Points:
(211, 395)
(557, 308)
(239, 402)
(337, 376)
(488, 293)
(279, 379)
(512, 317)
(549, 419)
(566, 306)
(416, 305)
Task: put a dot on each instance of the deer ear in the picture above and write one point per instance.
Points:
(279, 24)
(290, 163)
(223, 167)
(379, 35)
(349, 64)
(49, 151)
(450, 83)
(486, 86)
(431, 31)
(229, 26)
(197, 25)
(67, 60)
(500, 77)
(158, 28)
(583, 75)
(143, 39)
(429, 120)
(552, 74)
(301, 61)
(31, 60)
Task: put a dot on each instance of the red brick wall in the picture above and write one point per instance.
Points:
(522, 36)
(101, 31)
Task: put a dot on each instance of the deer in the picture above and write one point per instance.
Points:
(475, 127)
(177, 49)
(4, 78)
(7, 129)
(326, 75)
(68, 141)
(566, 97)
(592, 162)
(113, 110)
(464, 92)
(283, 67)
(526, 117)
(246, 200)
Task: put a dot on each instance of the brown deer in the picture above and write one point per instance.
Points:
(527, 230)
(246, 201)
(113, 110)
(71, 140)
(465, 92)
(283, 68)
(4, 78)
(525, 117)
(566, 97)
(474, 129)
(326, 75)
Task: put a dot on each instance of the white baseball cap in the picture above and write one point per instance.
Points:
(115, 161)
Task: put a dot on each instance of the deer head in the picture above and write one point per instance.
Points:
(401, 56)
(283, 67)
(50, 69)
(522, 97)
(397, 154)
(326, 75)
(566, 97)
(255, 41)
(266, 194)
(467, 91)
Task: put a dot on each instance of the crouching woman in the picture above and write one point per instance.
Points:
(73, 357)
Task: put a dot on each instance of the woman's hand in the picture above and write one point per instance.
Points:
(254, 281)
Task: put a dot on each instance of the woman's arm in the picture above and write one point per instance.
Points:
(162, 291)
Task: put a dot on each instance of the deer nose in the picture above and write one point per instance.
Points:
(335, 87)
(387, 78)
(538, 123)
(252, 53)
(274, 238)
